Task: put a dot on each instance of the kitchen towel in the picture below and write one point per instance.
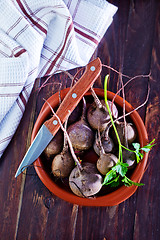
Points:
(38, 38)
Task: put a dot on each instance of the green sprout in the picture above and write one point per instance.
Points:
(117, 174)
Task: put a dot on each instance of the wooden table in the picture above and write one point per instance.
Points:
(29, 210)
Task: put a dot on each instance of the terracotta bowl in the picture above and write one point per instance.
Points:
(108, 198)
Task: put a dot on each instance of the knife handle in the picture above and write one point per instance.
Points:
(75, 94)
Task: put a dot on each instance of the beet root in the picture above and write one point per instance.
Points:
(62, 164)
(75, 115)
(105, 162)
(107, 145)
(130, 133)
(87, 182)
(55, 146)
(98, 117)
(81, 135)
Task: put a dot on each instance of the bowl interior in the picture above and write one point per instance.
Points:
(107, 196)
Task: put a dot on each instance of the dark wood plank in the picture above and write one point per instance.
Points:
(147, 221)
(11, 189)
(29, 210)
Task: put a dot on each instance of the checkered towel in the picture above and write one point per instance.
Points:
(39, 37)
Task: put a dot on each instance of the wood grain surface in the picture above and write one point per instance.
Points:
(28, 210)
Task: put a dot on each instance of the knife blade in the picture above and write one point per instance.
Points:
(51, 126)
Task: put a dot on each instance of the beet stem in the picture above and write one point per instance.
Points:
(83, 117)
(96, 99)
(65, 144)
(100, 144)
(124, 112)
(110, 114)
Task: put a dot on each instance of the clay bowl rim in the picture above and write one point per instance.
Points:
(113, 198)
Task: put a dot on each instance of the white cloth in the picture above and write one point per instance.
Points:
(39, 37)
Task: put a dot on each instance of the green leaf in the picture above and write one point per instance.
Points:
(115, 182)
(141, 155)
(136, 146)
(150, 144)
(145, 149)
(138, 158)
(121, 168)
(109, 176)
(128, 182)
(148, 147)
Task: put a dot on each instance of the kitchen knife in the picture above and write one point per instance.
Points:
(51, 126)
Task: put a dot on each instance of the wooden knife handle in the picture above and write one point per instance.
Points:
(75, 94)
